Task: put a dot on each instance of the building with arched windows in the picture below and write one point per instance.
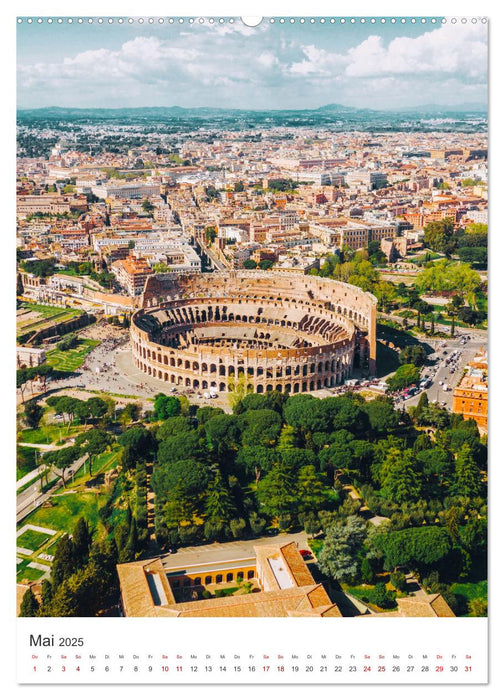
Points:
(280, 585)
(284, 332)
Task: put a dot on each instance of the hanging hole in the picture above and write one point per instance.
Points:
(251, 21)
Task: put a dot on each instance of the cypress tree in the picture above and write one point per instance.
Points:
(29, 605)
(64, 563)
(81, 542)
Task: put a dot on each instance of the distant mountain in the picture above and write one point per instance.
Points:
(463, 107)
(344, 109)
(177, 111)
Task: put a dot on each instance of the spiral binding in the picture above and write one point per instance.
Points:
(232, 20)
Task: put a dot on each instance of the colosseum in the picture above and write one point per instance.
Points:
(281, 331)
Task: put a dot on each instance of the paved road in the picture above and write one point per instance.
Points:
(210, 255)
(109, 368)
(441, 375)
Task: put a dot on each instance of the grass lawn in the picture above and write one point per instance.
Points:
(102, 463)
(52, 547)
(70, 360)
(48, 434)
(471, 591)
(316, 546)
(27, 572)
(48, 311)
(25, 461)
(31, 539)
(224, 592)
(67, 509)
(363, 592)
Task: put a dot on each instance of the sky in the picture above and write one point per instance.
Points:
(230, 65)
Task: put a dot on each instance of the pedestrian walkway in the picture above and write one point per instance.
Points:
(34, 474)
(44, 447)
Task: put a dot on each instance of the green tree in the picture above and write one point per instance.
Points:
(256, 460)
(139, 441)
(166, 406)
(29, 605)
(338, 558)
(63, 459)
(422, 404)
(81, 541)
(223, 435)
(440, 236)
(312, 491)
(181, 508)
(416, 546)
(97, 407)
(381, 597)
(260, 427)
(238, 527)
(47, 593)
(94, 442)
(21, 379)
(64, 563)
(276, 492)
(130, 413)
(33, 412)
(128, 461)
(467, 477)
(186, 445)
(470, 316)
(367, 572)
(478, 607)
(147, 207)
(398, 478)
(190, 476)
(64, 602)
(238, 389)
(19, 285)
(210, 232)
(382, 416)
(405, 376)
(413, 355)
(219, 505)
(300, 411)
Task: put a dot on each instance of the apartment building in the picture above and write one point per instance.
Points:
(131, 274)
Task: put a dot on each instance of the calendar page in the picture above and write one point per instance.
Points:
(251, 349)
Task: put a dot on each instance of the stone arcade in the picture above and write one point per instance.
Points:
(283, 331)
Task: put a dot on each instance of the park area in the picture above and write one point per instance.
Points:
(32, 552)
(40, 531)
(70, 360)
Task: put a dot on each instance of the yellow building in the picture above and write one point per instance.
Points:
(281, 583)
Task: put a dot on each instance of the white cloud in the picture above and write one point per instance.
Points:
(452, 49)
(456, 49)
(235, 65)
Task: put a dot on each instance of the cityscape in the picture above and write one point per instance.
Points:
(252, 374)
